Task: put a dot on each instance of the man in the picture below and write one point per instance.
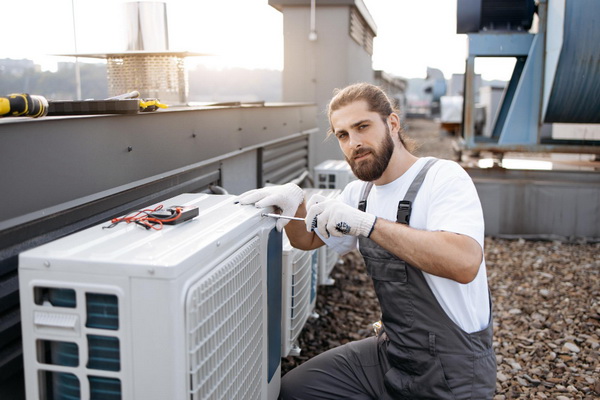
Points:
(419, 227)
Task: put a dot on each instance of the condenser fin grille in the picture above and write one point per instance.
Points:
(301, 287)
(225, 328)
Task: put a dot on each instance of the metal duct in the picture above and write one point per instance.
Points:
(513, 15)
(147, 30)
(493, 15)
(574, 94)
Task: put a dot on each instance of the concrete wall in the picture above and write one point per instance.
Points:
(314, 68)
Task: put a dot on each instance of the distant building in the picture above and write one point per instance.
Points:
(17, 67)
(395, 87)
(418, 102)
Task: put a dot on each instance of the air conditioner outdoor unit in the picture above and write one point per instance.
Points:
(299, 294)
(333, 174)
(327, 258)
(186, 312)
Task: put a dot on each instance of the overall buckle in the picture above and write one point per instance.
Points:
(404, 209)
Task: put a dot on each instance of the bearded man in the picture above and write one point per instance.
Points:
(419, 226)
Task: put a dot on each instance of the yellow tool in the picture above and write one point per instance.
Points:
(151, 105)
(23, 105)
(145, 104)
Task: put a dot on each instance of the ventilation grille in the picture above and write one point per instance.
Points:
(314, 278)
(336, 173)
(327, 260)
(94, 356)
(300, 293)
(331, 258)
(225, 328)
(283, 162)
(360, 31)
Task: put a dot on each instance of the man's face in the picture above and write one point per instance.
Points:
(364, 138)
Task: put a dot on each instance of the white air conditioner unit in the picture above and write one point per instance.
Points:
(186, 312)
(333, 174)
(299, 294)
(327, 258)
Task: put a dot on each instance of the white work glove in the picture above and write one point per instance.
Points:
(286, 197)
(333, 217)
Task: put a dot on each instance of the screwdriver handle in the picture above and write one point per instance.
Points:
(23, 104)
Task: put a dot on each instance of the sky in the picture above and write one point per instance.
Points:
(411, 35)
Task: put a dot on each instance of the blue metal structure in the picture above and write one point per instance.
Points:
(532, 98)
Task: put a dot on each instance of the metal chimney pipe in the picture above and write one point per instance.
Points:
(147, 29)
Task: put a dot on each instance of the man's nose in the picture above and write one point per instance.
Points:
(355, 140)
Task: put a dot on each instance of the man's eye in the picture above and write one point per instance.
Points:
(341, 135)
(362, 127)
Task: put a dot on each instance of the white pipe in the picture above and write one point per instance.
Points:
(312, 36)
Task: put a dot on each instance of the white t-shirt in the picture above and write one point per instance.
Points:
(446, 201)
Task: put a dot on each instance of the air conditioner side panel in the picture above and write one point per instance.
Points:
(52, 328)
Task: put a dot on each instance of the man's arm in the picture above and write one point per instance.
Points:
(289, 199)
(298, 235)
(445, 254)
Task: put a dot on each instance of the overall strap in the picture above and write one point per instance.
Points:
(362, 203)
(405, 206)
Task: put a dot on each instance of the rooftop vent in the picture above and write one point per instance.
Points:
(148, 66)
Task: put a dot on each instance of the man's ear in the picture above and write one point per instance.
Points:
(394, 121)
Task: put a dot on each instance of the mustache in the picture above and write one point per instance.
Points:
(360, 152)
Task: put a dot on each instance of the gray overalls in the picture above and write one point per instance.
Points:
(421, 354)
(429, 355)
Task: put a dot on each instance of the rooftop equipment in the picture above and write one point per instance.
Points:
(130, 313)
(333, 174)
(493, 15)
(299, 294)
(556, 77)
(148, 65)
(327, 258)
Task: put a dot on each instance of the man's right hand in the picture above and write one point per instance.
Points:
(335, 218)
(286, 197)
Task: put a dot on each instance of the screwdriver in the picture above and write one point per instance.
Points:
(281, 216)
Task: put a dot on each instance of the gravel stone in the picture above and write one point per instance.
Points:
(570, 347)
(549, 349)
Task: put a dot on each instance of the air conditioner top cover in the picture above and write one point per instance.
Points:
(130, 250)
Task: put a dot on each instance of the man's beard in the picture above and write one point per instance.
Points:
(371, 170)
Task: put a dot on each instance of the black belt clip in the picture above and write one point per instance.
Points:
(404, 209)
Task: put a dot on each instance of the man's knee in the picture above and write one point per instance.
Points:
(290, 386)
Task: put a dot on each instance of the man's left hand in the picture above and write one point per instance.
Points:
(333, 217)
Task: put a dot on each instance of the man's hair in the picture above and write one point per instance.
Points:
(376, 99)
